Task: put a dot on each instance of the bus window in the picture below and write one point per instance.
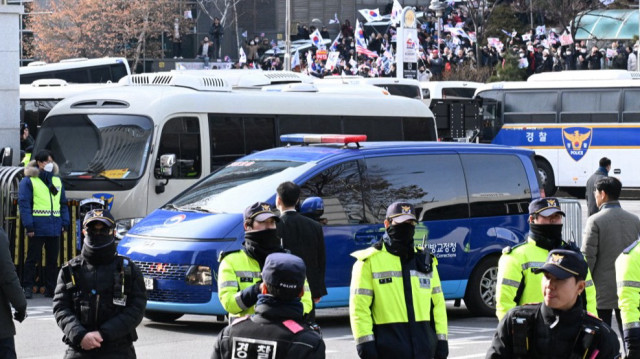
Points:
(118, 71)
(491, 120)
(308, 124)
(458, 92)
(181, 136)
(411, 178)
(99, 74)
(418, 129)
(489, 194)
(590, 106)
(340, 188)
(402, 90)
(232, 137)
(631, 112)
(72, 76)
(530, 107)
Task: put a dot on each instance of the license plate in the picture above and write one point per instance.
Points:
(148, 283)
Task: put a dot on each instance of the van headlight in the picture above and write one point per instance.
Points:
(124, 225)
(199, 275)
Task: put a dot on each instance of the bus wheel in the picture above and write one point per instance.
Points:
(480, 297)
(546, 177)
(163, 317)
(577, 192)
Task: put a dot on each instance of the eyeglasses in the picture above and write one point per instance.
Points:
(105, 231)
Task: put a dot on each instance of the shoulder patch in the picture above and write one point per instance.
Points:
(509, 249)
(224, 254)
(631, 247)
(293, 326)
(365, 253)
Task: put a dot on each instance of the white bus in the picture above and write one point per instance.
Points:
(78, 70)
(139, 145)
(570, 125)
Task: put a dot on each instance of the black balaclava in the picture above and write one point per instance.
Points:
(99, 248)
(547, 236)
(259, 244)
(399, 239)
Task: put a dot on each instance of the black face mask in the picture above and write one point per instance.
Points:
(547, 236)
(260, 244)
(99, 248)
(400, 239)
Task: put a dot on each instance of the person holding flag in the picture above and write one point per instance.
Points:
(295, 61)
(316, 39)
(370, 14)
(361, 45)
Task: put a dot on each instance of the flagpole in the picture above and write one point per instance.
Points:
(287, 35)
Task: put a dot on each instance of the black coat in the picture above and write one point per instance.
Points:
(558, 341)
(117, 324)
(304, 238)
(10, 290)
(277, 324)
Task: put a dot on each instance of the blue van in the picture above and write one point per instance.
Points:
(471, 201)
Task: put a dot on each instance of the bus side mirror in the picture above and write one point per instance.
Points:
(167, 165)
(7, 156)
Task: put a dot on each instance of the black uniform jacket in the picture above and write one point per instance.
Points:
(116, 324)
(304, 238)
(555, 340)
(277, 331)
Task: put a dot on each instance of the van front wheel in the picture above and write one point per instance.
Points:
(162, 317)
(480, 296)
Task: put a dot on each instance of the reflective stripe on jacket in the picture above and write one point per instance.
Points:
(378, 303)
(517, 266)
(628, 278)
(238, 271)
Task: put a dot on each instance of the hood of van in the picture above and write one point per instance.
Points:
(187, 225)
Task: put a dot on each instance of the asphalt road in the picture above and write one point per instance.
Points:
(193, 336)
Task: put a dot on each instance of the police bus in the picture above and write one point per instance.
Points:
(569, 124)
(139, 145)
(77, 70)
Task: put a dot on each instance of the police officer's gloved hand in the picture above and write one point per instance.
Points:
(442, 349)
(20, 315)
(250, 294)
(367, 350)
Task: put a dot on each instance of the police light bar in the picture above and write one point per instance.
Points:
(318, 138)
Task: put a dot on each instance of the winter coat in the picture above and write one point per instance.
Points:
(43, 226)
(10, 289)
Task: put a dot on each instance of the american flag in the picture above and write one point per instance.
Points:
(361, 46)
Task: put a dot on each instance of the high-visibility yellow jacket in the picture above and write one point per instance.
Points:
(628, 278)
(384, 309)
(518, 285)
(239, 271)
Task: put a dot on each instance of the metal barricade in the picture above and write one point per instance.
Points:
(572, 229)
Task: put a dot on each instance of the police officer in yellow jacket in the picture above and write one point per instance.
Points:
(393, 288)
(517, 283)
(239, 272)
(628, 278)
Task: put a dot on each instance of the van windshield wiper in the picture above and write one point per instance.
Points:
(100, 175)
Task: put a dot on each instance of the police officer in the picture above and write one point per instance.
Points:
(559, 327)
(44, 213)
(394, 287)
(277, 330)
(100, 296)
(628, 278)
(239, 272)
(517, 282)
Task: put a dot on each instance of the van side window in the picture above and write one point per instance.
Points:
(434, 184)
(490, 194)
(181, 136)
(340, 188)
(231, 137)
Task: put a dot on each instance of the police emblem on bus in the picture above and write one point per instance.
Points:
(175, 219)
(577, 141)
(107, 198)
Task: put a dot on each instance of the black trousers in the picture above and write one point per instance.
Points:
(7, 348)
(605, 315)
(119, 352)
(34, 255)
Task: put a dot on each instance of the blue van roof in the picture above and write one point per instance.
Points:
(307, 153)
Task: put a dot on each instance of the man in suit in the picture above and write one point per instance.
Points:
(303, 237)
(607, 233)
(601, 172)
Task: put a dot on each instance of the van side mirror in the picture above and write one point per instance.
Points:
(167, 165)
(7, 156)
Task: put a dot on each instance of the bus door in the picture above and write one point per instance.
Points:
(178, 161)
(491, 119)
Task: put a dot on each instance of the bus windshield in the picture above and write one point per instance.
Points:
(91, 146)
(236, 186)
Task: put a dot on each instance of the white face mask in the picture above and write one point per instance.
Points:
(48, 167)
(521, 54)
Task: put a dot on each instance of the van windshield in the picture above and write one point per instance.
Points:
(238, 185)
(97, 146)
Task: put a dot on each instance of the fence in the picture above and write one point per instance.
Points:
(572, 230)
